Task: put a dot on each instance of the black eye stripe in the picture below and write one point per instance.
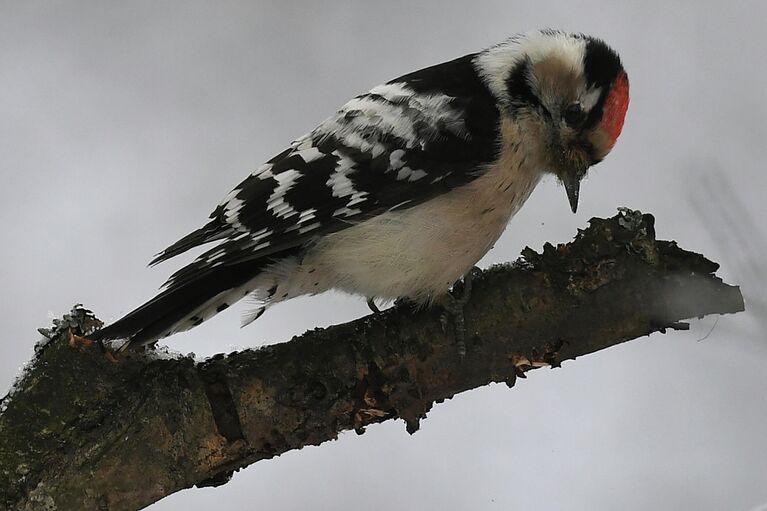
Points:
(518, 87)
(601, 64)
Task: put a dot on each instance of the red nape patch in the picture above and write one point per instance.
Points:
(616, 104)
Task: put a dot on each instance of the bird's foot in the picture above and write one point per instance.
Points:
(454, 306)
(372, 305)
(78, 341)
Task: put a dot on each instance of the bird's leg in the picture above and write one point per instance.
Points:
(454, 310)
(372, 305)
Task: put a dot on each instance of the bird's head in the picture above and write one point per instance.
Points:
(566, 93)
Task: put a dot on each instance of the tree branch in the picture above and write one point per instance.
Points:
(82, 432)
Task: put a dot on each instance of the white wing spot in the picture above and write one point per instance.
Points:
(345, 211)
(342, 186)
(416, 175)
(302, 143)
(307, 215)
(276, 203)
(309, 228)
(392, 91)
(260, 234)
(310, 154)
(406, 173)
(231, 210)
(263, 172)
(396, 159)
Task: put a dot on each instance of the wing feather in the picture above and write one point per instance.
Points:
(394, 147)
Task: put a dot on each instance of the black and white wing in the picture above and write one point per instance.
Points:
(398, 145)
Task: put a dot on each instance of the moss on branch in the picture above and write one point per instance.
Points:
(82, 432)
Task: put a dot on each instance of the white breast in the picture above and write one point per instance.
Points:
(419, 252)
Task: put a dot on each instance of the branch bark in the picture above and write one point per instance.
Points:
(81, 432)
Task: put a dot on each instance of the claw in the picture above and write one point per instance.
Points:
(372, 305)
(466, 291)
(76, 341)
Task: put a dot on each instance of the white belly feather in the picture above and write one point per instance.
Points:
(419, 252)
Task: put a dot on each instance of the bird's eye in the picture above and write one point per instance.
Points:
(573, 115)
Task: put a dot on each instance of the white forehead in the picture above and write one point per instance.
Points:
(496, 63)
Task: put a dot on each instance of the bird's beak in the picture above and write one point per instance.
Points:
(572, 181)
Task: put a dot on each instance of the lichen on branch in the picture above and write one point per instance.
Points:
(83, 432)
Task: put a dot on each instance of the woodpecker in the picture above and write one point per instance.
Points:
(401, 191)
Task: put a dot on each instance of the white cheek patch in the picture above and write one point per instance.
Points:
(590, 98)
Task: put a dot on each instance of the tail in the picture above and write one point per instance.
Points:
(187, 304)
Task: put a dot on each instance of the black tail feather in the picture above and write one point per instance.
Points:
(171, 307)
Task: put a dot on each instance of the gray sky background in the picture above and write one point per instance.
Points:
(122, 124)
